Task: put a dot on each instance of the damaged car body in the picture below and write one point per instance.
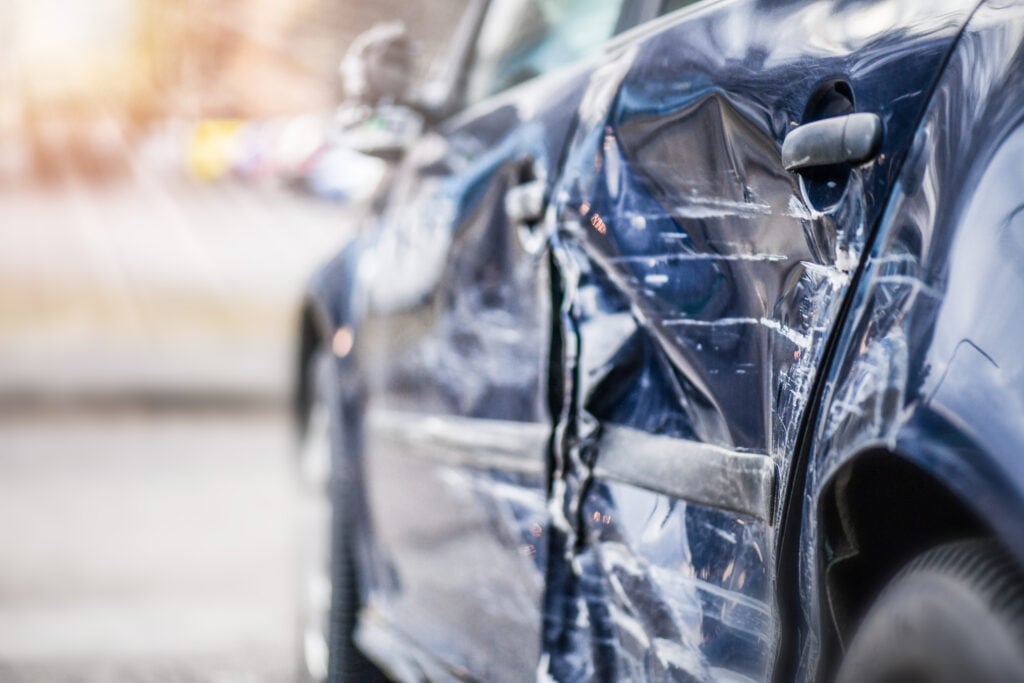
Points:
(681, 346)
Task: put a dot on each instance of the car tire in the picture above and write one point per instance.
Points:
(955, 613)
(329, 598)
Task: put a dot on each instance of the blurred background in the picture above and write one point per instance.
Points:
(167, 184)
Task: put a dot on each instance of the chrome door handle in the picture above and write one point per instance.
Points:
(850, 139)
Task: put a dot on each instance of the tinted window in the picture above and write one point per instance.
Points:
(672, 5)
(521, 39)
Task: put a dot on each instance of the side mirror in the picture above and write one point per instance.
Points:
(379, 117)
(377, 69)
(385, 131)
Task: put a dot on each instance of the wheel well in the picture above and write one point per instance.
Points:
(309, 338)
(877, 513)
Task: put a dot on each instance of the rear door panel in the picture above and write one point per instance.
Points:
(455, 351)
(701, 288)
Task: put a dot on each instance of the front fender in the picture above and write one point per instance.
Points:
(329, 318)
(928, 366)
(330, 296)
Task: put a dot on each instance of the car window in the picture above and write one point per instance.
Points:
(672, 5)
(522, 39)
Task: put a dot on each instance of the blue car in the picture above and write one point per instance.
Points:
(685, 343)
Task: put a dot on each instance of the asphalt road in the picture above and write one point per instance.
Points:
(146, 489)
(140, 546)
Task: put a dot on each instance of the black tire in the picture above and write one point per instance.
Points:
(954, 614)
(345, 662)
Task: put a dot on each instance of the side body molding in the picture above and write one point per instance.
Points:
(700, 284)
(473, 443)
(697, 472)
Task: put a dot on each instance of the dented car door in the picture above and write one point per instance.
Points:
(699, 284)
(454, 351)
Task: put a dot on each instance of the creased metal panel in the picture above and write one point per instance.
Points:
(689, 470)
(464, 442)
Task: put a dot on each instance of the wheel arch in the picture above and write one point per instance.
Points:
(327, 307)
(884, 506)
(308, 339)
(876, 512)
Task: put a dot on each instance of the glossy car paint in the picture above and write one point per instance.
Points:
(928, 367)
(453, 354)
(703, 288)
(689, 294)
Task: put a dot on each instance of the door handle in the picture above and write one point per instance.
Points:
(850, 139)
(524, 203)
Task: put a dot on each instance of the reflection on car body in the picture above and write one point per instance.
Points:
(686, 417)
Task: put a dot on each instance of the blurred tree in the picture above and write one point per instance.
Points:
(255, 58)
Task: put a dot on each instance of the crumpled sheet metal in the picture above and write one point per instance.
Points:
(699, 290)
(929, 366)
(685, 591)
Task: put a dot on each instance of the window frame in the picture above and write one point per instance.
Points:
(632, 14)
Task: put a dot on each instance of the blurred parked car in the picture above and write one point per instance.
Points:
(342, 174)
(75, 135)
(212, 146)
(683, 345)
(252, 154)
